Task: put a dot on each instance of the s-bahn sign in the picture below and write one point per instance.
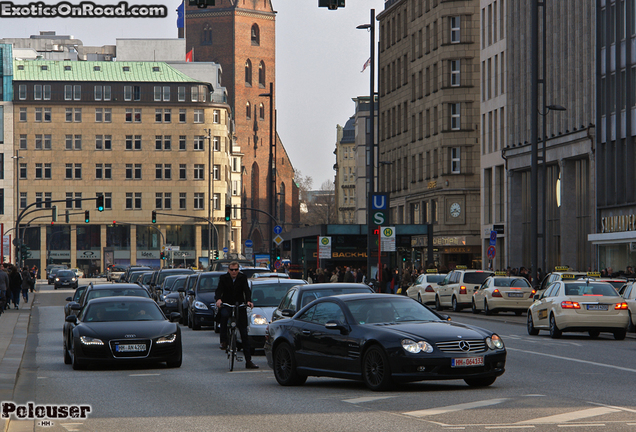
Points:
(379, 209)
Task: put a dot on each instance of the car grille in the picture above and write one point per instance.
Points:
(164, 350)
(134, 354)
(462, 346)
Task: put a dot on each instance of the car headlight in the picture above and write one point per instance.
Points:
(494, 342)
(73, 280)
(90, 341)
(416, 347)
(171, 300)
(200, 305)
(57, 279)
(167, 339)
(259, 320)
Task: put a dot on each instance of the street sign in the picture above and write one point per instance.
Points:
(249, 243)
(387, 239)
(492, 252)
(278, 229)
(278, 240)
(493, 238)
(379, 209)
(324, 247)
(225, 249)
(277, 264)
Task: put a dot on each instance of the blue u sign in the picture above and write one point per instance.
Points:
(380, 202)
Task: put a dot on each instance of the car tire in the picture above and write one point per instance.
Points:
(77, 364)
(594, 334)
(474, 308)
(555, 333)
(186, 318)
(67, 355)
(456, 306)
(285, 370)
(487, 310)
(189, 320)
(480, 382)
(631, 323)
(438, 305)
(620, 334)
(419, 298)
(532, 330)
(376, 370)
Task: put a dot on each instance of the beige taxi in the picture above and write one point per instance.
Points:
(457, 288)
(503, 293)
(560, 273)
(579, 306)
(425, 286)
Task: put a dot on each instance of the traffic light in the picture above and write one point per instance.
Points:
(114, 223)
(68, 217)
(215, 254)
(25, 252)
(87, 216)
(277, 254)
(54, 215)
(331, 4)
(228, 213)
(201, 4)
(162, 256)
(154, 216)
(100, 203)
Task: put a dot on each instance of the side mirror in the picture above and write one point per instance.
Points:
(476, 288)
(190, 293)
(446, 317)
(76, 306)
(337, 325)
(182, 290)
(287, 313)
(69, 298)
(537, 296)
(71, 319)
(175, 316)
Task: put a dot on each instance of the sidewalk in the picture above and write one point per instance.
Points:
(13, 334)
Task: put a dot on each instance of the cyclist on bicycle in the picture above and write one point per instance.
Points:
(233, 288)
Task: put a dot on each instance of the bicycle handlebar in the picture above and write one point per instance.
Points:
(233, 306)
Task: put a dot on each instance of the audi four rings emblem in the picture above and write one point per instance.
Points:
(464, 346)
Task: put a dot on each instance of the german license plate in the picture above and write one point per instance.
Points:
(130, 348)
(600, 307)
(467, 362)
(515, 294)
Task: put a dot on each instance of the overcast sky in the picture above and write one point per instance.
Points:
(320, 54)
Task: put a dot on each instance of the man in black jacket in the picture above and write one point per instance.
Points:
(233, 288)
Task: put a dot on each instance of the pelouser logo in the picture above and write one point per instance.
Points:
(33, 411)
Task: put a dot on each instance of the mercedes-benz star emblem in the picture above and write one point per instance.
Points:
(464, 346)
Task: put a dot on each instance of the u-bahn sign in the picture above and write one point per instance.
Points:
(379, 209)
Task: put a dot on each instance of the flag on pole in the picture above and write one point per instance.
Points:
(180, 15)
(190, 55)
(366, 64)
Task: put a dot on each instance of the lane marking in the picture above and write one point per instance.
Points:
(453, 408)
(582, 425)
(511, 427)
(615, 407)
(574, 415)
(572, 359)
(143, 375)
(367, 399)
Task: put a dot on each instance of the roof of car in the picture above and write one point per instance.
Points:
(285, 281)
(116, 286)
(332, 285)
(121, 298)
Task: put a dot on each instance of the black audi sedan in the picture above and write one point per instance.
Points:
(380, 339)
(115, 330)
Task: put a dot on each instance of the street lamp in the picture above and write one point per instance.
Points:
(371, 144)
(548, 108)
(271, 170)
(210, 171)
(17, 158)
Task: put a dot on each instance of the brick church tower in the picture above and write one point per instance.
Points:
(241, 36)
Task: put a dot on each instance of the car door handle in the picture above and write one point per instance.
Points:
(306, 332)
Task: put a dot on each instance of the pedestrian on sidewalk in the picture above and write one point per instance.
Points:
(4, 290)
(34, 277)
(15, 283)
(26, 283)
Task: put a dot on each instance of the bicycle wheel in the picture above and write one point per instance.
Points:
(232, 349)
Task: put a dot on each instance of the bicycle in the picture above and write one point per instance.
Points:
(231, 348)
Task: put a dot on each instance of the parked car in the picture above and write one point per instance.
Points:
(51, 275)
(301, 295)
(51, 267)
(114, 273)
(117, 330)
(134, 268)
(457, 288)
(65, 279)
(171, 295)
(380, 339)
(201, 303)
(261, 275)
(425, 287)
(73, 299)
(183, 303)
(503, 293)
(159, 275)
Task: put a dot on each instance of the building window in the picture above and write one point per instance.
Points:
(158, 200)
(23, 200)
(261, 74)
(158, 171)
(23, 142)
(248, 111)
(455, 117)
(248, 73)
(455, 69)
(137, 115)
(68, 92)
(129, 171)
(255, 35)
(454, 29)
(69, 171)
(137, 200)
(199, 172)
(182, 200)
(182, 116)
(194, 94)
(99, 171)
(127, 93)
(99, 115)
(157, 93)
(97, 92)
(167, 171)
(181, 93)
(38, 171)
(77, 92)
(47, 114)
(216, 116)
(182, 171)
(167, 200)
(23, 114)
(216, 201)
(137, 171)
(216, 143)
(37, 92)
(47, 171)
(199, 142)
(455, 160)
(38, 115)
(78, 142)
(198, 200)
(216, 172)
(206, 36)
(22, 92)
(129, 200)
(261, 112)
(108, 200)
(182, 142)
(108, 170)
(199, 116)
(38, 199)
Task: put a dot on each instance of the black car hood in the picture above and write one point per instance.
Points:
(121, 329)
(434, 331)
(206, 297)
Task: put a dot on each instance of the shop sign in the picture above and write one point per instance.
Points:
(89, 254)
(345, 255)
(449, 250)
(148, 254)
(621, 223)
(60, 254)
(422, 241)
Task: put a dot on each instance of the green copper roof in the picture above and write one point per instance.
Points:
(50, 70)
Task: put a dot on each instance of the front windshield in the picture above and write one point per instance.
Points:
(269, 294)
(208, 283)
(385, 309)
(146, 278)
(65, 273)
(122, 311)
(164, 275)
(126, 292)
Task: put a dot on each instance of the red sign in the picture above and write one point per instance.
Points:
(492, 252)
